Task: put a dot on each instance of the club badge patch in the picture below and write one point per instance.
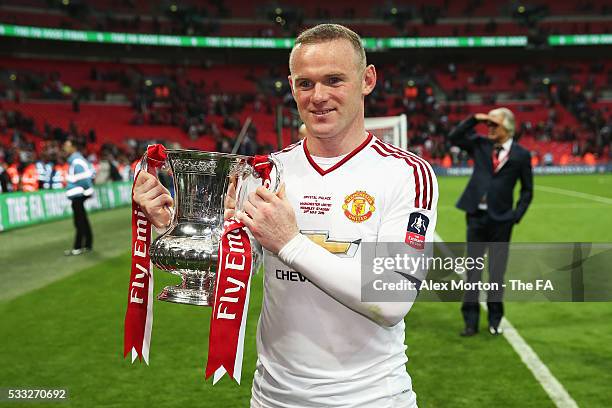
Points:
(359, 206)
(417, 228)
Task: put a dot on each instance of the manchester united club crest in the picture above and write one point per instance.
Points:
(359, 206)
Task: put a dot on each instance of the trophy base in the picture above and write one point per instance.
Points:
(195, 290)
(176, 294)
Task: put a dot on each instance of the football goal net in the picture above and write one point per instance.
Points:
(391, 129)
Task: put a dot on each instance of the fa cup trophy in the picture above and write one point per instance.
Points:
(189, 248)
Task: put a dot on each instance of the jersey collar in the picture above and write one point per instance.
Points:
(341, 162)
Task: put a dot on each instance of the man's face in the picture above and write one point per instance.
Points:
(68, 147)
(329, 85)
(497, 133)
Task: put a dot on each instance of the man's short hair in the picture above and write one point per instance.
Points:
(329, 32)
(508, 123)
(78, 143)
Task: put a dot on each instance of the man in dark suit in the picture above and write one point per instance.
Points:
(499, 162)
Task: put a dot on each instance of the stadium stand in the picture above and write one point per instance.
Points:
(562, 104)
(282, 19)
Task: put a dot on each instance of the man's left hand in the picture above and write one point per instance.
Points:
(270, 218)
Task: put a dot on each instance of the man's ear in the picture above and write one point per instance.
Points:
(291, 85)
(369, 80)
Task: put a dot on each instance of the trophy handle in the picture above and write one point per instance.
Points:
(144, 164)
(246, 184)
(277, 175)
(152, 166)
(249, 182)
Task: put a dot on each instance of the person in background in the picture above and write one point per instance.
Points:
(13, 174)
(60, 170)
(44, 167)
(4, 178)
(29, 177)
(79, 189)
(499, 163)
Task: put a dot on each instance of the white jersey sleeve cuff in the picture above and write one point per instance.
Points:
(293, 248)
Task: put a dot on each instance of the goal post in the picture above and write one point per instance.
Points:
(391, 129)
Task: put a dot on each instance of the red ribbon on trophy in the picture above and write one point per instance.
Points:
(139, 314)
(228, 320)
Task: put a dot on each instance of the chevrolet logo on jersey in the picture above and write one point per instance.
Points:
(343, 249)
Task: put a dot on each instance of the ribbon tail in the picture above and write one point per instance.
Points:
(127, 337)
(240, 346)
(236, 373)
(146, 341)
(138, 323)
(219, 372)
(228, 325)
(212, 367)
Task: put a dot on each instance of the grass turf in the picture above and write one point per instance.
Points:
(32, 257)
(67, 331)
(573, 339)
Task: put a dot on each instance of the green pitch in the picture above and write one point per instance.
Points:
(62, 320)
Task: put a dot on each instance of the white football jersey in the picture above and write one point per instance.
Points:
(314, 351)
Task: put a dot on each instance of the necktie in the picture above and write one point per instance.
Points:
(496, 151)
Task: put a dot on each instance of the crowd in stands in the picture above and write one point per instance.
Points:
(429, 123)
(565, 110)
(287, 18)
(573, 114)
(559, 110)
(32, 159)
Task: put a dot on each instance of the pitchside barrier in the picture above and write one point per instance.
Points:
(466, 171)
(23, 209)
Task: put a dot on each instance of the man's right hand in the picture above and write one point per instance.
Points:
(154, 199)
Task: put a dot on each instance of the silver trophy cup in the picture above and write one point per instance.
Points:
(190, 247)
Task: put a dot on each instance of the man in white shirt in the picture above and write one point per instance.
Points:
(318, 343)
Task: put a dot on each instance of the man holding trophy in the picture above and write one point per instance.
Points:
(318, 343)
